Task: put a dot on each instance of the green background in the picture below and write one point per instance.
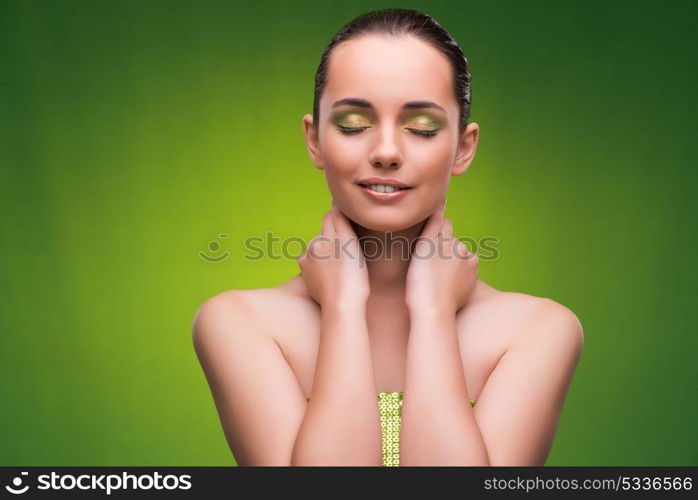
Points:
(133, 133)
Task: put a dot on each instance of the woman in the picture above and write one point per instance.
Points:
(388, 360)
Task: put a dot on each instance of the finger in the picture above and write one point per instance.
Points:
(440, 211)
(333, 213)
(462, 250)
(328, 224)
(304, 253)
(342, 224)
(447, 228)
(446, 236)
(433, 225)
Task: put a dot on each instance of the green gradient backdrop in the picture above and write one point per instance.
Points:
(134, 133)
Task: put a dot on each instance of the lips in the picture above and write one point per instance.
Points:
(385, 196)
(386, 182)
(398, 188)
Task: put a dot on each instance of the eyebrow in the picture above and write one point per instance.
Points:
(363, 103)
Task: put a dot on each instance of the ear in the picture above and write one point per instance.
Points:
(312, 141)
(467, 145)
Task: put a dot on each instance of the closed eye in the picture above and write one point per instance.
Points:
(351, 131)
(425, 133)
(358, 130)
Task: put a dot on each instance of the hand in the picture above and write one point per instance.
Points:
(333, 266)
(442, 272)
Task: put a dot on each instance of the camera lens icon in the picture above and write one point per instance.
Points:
(214, 247)
(16, 487)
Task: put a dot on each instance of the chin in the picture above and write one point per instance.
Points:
(385, 225)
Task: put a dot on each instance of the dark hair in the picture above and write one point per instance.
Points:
(396, 22)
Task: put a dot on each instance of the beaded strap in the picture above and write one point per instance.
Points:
(390, 409)
(390, 406)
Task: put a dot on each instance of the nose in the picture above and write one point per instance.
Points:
(387, 152)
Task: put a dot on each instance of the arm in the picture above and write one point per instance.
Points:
(517, 411)
(342, 423)
(519, 407)
(438, 424)
(259, 401)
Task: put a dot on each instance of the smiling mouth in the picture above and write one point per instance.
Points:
(384, 188)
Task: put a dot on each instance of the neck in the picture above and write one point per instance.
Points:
(387, 255)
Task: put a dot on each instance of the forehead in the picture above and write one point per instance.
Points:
(389, 71)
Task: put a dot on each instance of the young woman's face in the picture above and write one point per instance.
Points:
(389, 111)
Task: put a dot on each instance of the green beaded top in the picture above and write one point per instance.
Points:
(390, 409)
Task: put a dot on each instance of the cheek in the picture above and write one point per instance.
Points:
(338, 149)
(433, 163)
(336, 164)
(341, 158)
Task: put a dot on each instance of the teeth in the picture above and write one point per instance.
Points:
(383, 188)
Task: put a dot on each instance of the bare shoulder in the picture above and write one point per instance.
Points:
(241, 361)
(251, 310)
(555, 325)
(222, 316)
(528, 318)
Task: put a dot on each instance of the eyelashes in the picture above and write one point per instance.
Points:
(352, 122)
(358, 130)
(351, 130)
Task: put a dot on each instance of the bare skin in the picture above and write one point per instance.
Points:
(287, 317)
(338, 333)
